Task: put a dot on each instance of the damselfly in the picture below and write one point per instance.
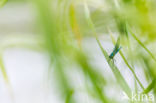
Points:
(116, 49)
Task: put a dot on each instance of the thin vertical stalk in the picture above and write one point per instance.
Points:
(136, 38)
(126, 62)
(114, 69)
(2, 67)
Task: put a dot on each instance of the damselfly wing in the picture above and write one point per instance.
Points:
(116, 49)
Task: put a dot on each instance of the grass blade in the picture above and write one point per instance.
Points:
(95, 78)
(114, 69)
(149, 88)
(3, 70)
(136, 38)
(128, 65)
(70, 94)
(116, 72)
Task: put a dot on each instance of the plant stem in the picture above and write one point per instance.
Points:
(149, 88)
(2, 67)
(136, 38)
(126, 62)
(114, 69)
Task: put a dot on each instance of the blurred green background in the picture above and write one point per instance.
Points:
(58, 51)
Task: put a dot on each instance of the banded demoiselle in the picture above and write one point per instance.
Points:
(116, 49)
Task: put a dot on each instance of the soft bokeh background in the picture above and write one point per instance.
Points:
(29, 67)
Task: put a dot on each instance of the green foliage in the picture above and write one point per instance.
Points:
(2, 2)
(64, 24)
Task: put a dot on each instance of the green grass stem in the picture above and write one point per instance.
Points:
(128, 65)
(114, 69)
(136, 38)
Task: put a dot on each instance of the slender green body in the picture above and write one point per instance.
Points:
(116, 50)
